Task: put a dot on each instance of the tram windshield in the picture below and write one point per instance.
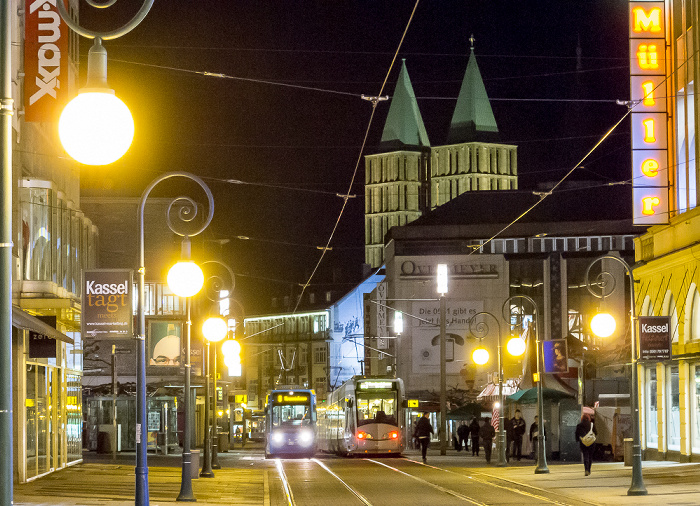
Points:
(376, 407)
(286, 415)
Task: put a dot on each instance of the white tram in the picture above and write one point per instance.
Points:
(363, 416)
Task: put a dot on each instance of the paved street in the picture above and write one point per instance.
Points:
(247, 478)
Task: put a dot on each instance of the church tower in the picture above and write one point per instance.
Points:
(409, 177)
(395, 178)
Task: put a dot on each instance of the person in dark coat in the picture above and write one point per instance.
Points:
(474, 431)
(518, 431)
(582, 429)
(487, 433)
(463, 435)
(534, 435)
(422, 433)
(509, 436)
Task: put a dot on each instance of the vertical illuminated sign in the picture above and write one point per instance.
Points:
(647, 34)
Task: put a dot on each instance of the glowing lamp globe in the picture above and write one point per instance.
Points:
(185, 279)
(480, 356)
(96, 127)
(214, 329)
(603, 325)
(231, 348)
(516, 346)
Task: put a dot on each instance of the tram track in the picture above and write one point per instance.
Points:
(287, 488)
(529, 491)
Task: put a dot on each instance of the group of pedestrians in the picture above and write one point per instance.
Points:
(480, 432)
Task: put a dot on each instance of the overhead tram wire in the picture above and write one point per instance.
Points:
(359, 158)
(607, 134)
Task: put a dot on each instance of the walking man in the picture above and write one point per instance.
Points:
(474, 432)
(487, 433)
(463, 435)
(534, 436)
(518, 427)
(422, 433)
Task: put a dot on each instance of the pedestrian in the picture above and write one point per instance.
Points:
(487, 433)
(474, 432)
(422, 433)
(534, 436)
(463, 435)
(509, 436)
(585, 435)
(518, 428)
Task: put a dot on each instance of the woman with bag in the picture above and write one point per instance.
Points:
(585, 435)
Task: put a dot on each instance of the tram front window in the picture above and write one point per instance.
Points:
(287, 415)
(376, 407)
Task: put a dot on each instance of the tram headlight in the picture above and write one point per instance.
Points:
(306, 438)
(364, 435)
(394, 434)
(277, 437)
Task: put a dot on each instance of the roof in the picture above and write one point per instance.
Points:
(404, 126)
(473, 119)
(589, 210)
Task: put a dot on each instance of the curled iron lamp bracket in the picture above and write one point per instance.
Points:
(604, 283)
(93, 34)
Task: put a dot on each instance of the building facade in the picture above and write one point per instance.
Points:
(408, 177)
(664, 38)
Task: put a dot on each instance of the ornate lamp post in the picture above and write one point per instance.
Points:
(481, 330)
(214, 330)
(606, 283)
(541, 452)
(186, 213)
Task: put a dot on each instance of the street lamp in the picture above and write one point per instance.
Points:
(442, 290)
(214, 330)
(541, 467)
(481, 329)
(96, 127)
(141, 426)
(637, 486)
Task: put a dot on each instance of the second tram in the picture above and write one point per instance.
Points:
(290, 423)
(363, 416)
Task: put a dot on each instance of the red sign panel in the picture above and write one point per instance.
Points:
(45, 60)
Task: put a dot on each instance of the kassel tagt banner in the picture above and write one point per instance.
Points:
(108, 296)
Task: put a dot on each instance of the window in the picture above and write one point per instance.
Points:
(695, 403)
(669, 309)
(652, 426)
(320, 355)
(673, 417)
(694, 317)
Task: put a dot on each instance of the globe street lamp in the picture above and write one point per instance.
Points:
(605, 282)
(442, 290)
(187, 213)
(96, 127)
(541, 467)
(214, 330)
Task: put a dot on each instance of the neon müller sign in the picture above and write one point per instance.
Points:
(650, 187)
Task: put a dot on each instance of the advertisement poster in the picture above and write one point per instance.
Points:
(555, 355)
(108, 304)
(654, 338)
(164, 343)
(425, 334)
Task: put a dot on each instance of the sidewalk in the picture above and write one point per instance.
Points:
(666, 482)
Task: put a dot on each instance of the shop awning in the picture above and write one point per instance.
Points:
(23, 320)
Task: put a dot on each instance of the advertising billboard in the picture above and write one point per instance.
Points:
(107, 309)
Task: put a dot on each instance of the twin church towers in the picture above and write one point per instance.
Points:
(408, 177)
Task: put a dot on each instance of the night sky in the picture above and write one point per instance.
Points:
(295, 147)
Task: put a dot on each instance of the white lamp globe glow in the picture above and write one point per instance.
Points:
(214, 329)
(480, 356)
(603, 324)
(516, 346)
(96, 128)
(185, 279)
(230, 348)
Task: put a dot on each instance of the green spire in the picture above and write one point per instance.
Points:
(404, 125)
(473, 118)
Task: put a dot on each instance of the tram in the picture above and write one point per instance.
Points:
(363, 416)
(290, 423)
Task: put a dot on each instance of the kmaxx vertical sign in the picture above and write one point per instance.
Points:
(45, 60)
(647, 34)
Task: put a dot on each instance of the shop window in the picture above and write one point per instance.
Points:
(652, 427)
(695, 412)
(673, 416)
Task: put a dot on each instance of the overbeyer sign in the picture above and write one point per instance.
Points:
(45, 60)
(654, 338)
(107, 311)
